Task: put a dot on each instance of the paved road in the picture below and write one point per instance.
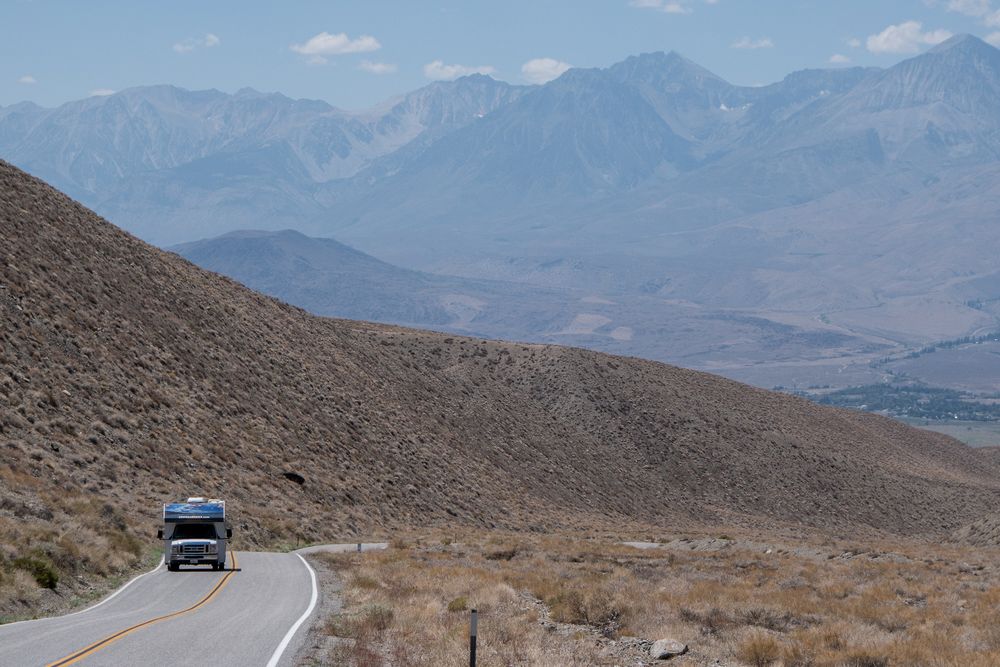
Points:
(253, 614)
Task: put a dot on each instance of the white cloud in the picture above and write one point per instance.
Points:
(543, 70)
(665, 6)
(676, 8)
(189, 45)
(970, 7)
(993, 20)
(438, 71)
(747, 43)
(318, 47)
(28, 79)
(854, 43)
(839, 59)
(101, 92)
(906, 37)
(994, 39)
(377, 68)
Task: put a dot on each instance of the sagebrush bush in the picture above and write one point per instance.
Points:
(40, 568)
(375, 620)
(759, 651)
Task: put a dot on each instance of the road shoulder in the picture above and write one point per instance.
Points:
(319, 647)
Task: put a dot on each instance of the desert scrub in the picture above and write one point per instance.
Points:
(759, 651)
(897, 604)
(81, 540)
(419, 610)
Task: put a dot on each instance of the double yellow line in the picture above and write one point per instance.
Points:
(111, 639)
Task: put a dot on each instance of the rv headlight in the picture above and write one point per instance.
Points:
(213, 548)
(175, 548)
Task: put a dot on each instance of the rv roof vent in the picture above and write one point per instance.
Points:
(196, 500)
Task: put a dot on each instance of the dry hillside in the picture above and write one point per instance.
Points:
(128, 376)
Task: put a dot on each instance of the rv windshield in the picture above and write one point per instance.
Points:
(194, 531)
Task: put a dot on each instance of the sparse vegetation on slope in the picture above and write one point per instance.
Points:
(587, 600)
(128, 377)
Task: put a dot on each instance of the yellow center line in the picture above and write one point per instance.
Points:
(111, 639)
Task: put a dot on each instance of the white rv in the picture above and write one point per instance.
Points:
(195, 533)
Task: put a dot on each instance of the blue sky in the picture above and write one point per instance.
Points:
(356, 54)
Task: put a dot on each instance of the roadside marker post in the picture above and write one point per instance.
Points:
(359, 547)
(473, 629)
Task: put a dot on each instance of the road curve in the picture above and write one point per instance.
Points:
(253, 614)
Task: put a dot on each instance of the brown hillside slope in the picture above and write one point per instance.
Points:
(131, 376)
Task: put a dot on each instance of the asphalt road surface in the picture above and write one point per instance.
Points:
(255, 613)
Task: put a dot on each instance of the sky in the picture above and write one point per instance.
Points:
(355, 54)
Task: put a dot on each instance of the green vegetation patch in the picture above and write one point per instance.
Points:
(914, 401)
(40, 568)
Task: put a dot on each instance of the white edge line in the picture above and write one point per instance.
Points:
(93, 606)
(276, 656)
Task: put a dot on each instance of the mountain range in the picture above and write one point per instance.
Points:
(856, 203)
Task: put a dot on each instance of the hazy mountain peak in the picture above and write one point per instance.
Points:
(664, 67)
(964, 41)
(477, 77)
(962, 73)
(262, 233)
(247, 93)
(26, 106)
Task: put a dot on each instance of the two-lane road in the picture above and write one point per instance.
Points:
(252, 614)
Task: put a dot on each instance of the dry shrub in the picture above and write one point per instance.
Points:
(769, 619)
(863, 659)
(375, 620)
(759, 651)
(795, 656)
(339, 625)
(595, 608)
(18, 588)
(501, 554)
(711, 622)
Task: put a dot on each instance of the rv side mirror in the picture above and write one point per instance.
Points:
(229, 533)
(159, 534)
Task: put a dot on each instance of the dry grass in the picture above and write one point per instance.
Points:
(80, 540)
(570, 600)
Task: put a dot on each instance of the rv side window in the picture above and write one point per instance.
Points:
(194, 531)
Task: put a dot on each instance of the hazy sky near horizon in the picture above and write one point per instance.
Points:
(356, 54)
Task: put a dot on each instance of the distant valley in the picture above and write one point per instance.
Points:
(329, 278)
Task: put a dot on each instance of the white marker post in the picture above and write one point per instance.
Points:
(473, 629)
